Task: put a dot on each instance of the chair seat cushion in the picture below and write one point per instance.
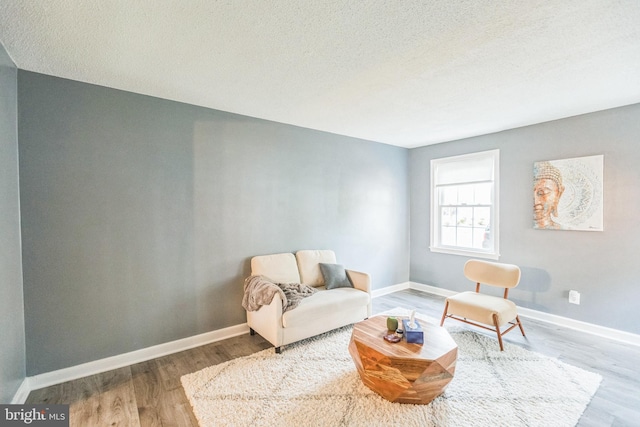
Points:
(320, 306)
(481, 307)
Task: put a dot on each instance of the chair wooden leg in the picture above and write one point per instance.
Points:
(520, 325)
(444, 314)
(495, 322)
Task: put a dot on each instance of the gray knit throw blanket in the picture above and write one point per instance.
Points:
(259, 291)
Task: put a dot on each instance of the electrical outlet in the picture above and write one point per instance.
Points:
(574, 297)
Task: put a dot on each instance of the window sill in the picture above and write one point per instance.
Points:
(466, 252)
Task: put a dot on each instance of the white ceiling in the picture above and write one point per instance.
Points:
(407, 73)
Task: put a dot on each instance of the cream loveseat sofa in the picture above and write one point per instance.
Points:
(323, 311)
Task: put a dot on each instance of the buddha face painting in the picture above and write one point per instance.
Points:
(547, 190)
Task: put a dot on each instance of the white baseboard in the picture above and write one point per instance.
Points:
(103, 365)
(95, 367)
(98, 366)
(22, 393)
(601, 331)
(590, 328)
(431, 289)
(390, 289)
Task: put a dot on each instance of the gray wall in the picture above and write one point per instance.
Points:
(603, 266)
(12, 341)
(140, 215)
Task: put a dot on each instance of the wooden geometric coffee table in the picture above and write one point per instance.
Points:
(403, 372)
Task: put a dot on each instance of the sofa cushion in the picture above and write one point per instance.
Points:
(308, 264)
(320, 306)
(280, 268)
(335, 276)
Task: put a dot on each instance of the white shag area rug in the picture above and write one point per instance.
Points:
(315, 383)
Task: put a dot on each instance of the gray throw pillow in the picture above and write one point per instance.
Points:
(335, 276)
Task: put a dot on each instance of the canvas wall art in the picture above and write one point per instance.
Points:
(568, 194)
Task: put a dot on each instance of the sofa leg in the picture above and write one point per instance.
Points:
(278, 350)
(251, 331)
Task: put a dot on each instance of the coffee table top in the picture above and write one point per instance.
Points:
(371, 332)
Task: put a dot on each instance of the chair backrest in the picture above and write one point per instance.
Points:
(492, 273)
(281, 268)
(309, 265)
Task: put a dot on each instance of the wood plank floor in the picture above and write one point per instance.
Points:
(150, 393)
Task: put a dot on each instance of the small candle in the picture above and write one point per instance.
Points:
(392, 323)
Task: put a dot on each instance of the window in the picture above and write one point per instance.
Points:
(464, 204)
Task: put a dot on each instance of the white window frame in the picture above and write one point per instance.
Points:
(435, 245)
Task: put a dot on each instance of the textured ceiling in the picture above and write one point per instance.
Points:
(407, 73)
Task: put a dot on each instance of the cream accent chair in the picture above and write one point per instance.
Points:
(482, 308)
(321, 312)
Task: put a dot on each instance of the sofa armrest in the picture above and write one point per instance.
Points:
(361, 281)
(267, 321)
